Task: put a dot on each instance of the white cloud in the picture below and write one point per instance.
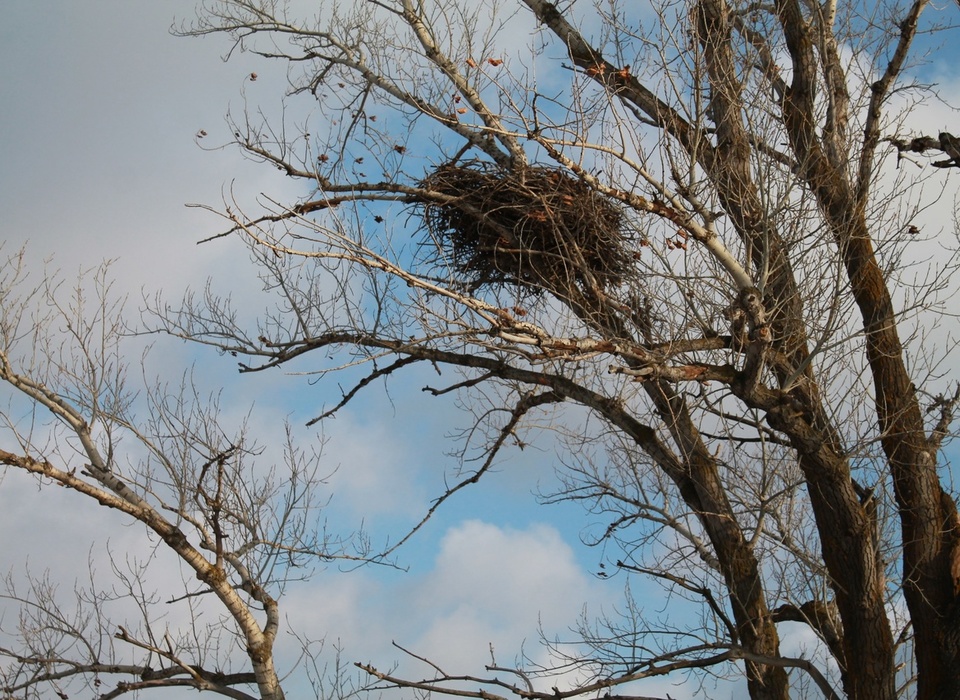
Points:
(493, 585)
(478, 561)
(488, 585)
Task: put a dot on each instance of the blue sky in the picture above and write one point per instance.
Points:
(100, 107)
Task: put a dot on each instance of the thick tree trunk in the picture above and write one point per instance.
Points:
(697, 477)
(849, 539)
(928, 516)
(703, 491)
(849, 547)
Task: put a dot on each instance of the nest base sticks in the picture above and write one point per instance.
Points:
(537, 228)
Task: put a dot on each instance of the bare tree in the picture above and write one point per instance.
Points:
(700, 221)
(162, 456)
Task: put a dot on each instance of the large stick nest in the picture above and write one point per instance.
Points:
(538, 228)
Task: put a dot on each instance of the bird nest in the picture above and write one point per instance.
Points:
(537, 228)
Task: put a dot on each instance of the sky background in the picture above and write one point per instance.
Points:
(99, 112)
